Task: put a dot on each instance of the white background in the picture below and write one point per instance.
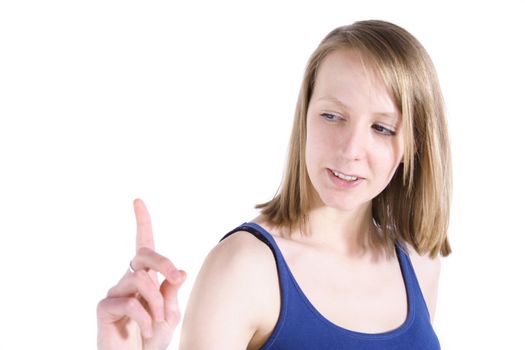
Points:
(189, 106)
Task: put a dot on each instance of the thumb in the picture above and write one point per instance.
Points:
(171, 299)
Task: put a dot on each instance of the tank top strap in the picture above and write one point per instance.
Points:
(412, 283)
(264, 236)
(301, 326)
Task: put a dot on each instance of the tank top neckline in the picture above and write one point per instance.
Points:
(382, 335)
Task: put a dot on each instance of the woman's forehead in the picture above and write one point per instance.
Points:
(349, 66)
(345, 79)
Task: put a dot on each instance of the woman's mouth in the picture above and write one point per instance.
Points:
(344, 176)
(343, 180)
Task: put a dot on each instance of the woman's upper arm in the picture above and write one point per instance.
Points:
(224, 308)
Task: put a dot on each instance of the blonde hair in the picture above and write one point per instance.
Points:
(415, 205)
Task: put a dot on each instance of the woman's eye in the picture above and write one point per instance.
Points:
(383, 130)
(330, 117)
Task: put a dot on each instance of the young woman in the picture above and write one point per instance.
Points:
(346, 256)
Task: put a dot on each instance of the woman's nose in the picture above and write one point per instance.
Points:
(354, 142)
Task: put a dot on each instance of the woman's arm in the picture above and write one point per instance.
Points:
(227, 301)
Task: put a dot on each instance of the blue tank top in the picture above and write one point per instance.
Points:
(301, 327)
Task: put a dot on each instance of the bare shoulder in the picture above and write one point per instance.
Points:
(229, 297)
(250, 259)
(427, 271)
(242, 244)
(425, 264)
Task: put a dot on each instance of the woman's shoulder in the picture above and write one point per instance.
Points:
(242, 245)
(423, 263)
(233, 285)
(244, 252)
(244, 249)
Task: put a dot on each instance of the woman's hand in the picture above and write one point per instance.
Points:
(138, 313)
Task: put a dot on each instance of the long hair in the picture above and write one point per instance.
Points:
(415, 205)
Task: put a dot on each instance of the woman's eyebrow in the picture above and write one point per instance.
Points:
(392, 115)
(335, 100)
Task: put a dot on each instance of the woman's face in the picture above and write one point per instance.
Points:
(353, 128)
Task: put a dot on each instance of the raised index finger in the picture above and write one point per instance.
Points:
(144, 228)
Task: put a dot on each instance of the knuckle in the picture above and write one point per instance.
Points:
(144, 251)
(110, 292)
(101, 306)
(133, 305)
(165, 263)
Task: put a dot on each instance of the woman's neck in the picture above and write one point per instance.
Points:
(349, 233)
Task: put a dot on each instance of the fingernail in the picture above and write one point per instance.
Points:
(182, 276)
(174, 275)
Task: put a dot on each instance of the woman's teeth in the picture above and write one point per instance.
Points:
(344, 177)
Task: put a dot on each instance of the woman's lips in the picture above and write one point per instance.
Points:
(343, 183)
(346, 174)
